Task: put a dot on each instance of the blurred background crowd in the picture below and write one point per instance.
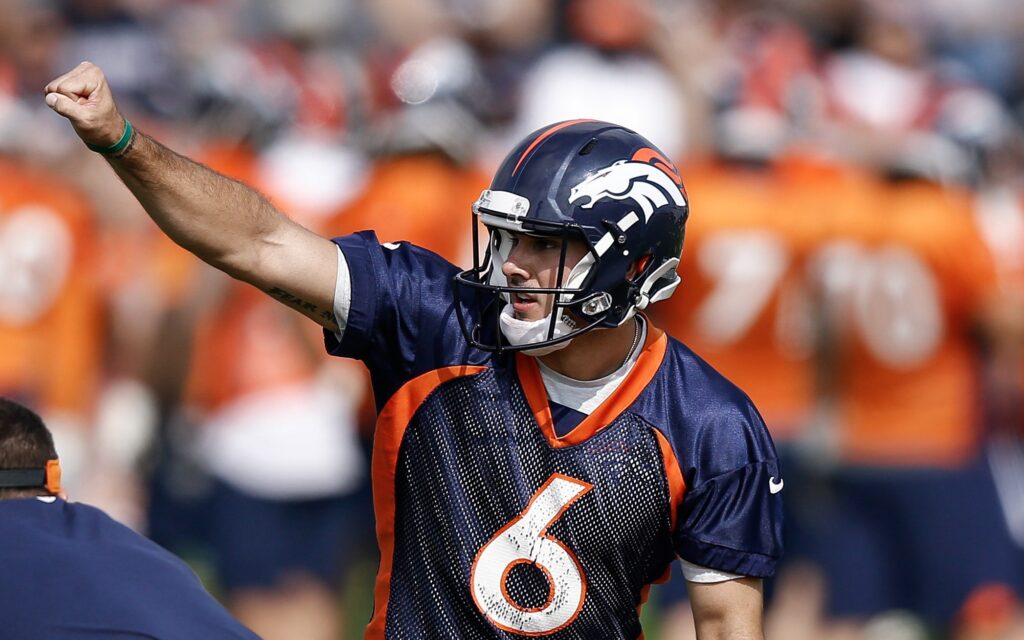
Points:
(854, 261)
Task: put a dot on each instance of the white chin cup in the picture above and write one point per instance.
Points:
(520, 332)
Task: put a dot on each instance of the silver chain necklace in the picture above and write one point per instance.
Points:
(632, 347)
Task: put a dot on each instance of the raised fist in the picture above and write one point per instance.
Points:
(83, 97)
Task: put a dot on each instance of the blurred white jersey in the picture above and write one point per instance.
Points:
(292, 442)
(631, 90)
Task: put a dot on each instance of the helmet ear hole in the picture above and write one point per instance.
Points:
(640, 266)
(661, 283)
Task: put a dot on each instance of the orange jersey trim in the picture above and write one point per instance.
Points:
(643, 372)
(391, 425)
(645, 592)
(676, 489)
(544, 136)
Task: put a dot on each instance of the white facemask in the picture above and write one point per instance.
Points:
(520, 332)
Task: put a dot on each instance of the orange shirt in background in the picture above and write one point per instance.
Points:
(743, 304)
(51, 330)
(907, 277)
(250, 343)
(246, 343)
(422, 199)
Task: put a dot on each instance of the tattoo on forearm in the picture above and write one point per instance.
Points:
(325, 316)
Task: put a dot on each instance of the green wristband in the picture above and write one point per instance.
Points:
(118, 146)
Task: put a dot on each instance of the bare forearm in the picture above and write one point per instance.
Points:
(220, 220)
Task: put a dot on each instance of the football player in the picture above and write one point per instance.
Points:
(274, 430)
(542, 452)
(904, 282)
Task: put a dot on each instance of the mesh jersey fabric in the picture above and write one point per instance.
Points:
(456, 487)
(676, 462)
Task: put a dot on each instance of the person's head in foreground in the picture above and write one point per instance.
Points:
(28, 460)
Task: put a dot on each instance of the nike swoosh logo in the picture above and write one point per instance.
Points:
(774, 486)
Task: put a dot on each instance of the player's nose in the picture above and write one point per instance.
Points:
(514, 267)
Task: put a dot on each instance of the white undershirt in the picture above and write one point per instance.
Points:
(587, 395)
(342, 295)
(582, 395)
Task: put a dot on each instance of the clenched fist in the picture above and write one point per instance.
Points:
(83, 97)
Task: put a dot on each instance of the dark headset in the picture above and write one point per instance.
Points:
(46, 478)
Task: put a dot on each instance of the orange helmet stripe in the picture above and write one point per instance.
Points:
(660, 161)
(554, 129)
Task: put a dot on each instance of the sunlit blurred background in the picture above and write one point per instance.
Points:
(854, 260)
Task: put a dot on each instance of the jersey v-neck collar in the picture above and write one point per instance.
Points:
(647, 365)
(584, 396)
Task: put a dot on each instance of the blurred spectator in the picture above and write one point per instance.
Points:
(32, 35)
(607, 70)
(130, 42)
(290, 96)
(983, 37)
(51, 326)
(423, 179)
(275, 433)
(904, 281)
(888, 96)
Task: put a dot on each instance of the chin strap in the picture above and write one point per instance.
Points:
(523, 332)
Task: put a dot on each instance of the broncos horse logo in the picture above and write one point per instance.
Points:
(650, 184)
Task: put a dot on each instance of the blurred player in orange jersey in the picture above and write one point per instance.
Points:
(748, 309)
(908, 279)
(275, 436)
(277, 432)
(424, 149)
(408, 197)
(51, 331)
(283, 523)
(904, 283)
(745, 307)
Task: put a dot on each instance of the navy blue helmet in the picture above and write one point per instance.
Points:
(596, 182)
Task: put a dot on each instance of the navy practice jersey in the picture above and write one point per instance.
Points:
(490, 524)
(69, 571)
